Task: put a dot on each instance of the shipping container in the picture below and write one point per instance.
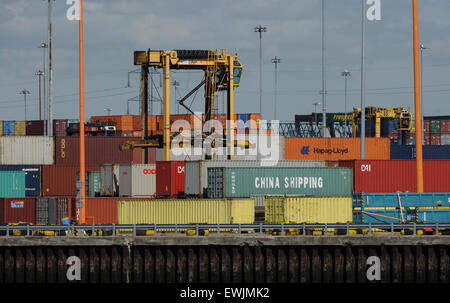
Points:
(435, 139)
(404, 199)
(12, 184)
(102, 210)
(445, 126)
(187, 211)
(426, 124)
(17, 210)
(335, 148)
(51, 211)
(1, 128)
(121, 122)
(137, 180)
(430, 152)
(388, 176)
(60, 180)
(433, 215)
(20, 128)
(196, 172)
(92, 183)
(309, 210)
(35, 128)
(445, 139)
(435, 126)
(32, 178)
(247, 182)
(170, 178)
(109, 180)
(8, 128)
(98, 151)
(24, 150)
(60, 127)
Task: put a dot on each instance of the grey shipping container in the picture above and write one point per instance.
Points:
(248, 182)
(196, 172)
(109, 180)
(27, 150)
(137, 180)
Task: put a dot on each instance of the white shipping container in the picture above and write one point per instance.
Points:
(196, 172)
(137, 180)
(27, 150)
(445, 139)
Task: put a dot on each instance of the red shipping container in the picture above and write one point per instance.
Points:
(103, 210)
(426, 124)
(60, 127)
(15, 210)
(169, 178)
(387, 176)
(60, 180)
(99, 150)
(427, 138)
(435, 139)
(35, 128)
(445, 126)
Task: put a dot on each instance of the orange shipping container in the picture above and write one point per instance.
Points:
(336, 149)
(122, 122)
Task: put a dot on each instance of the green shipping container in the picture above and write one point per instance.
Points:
(247, 182)
(435, 126)
(12, 184)
(94, 184)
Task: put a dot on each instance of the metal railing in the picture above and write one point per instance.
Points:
(241, 229)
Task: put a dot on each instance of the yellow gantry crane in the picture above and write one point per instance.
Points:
(401, 116)
(222, 73)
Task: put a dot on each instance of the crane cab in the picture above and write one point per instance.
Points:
(237, 72)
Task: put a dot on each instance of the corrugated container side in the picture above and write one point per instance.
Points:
(12, 184)
(100, 210)
(60, 180)
(53, 210)
(426, 124)
(99, 150)
(32, 178)
(15, 210)
(27, 150)
(192, 178)
(335, 148)
(60, 127)
(309, 210)
(212, 211)
(204, 165)
(137, 180)
(435, 126)
(8, 128)
(445, 126)
(405, 199)
(170, 178)
(1, 128)
(445, 139)
(20, 128)
(35, 128)
(247, 182)
(379, 176)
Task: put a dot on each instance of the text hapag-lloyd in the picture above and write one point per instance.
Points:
(330, 150)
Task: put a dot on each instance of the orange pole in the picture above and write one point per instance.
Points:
(82, 159)
(418, 115)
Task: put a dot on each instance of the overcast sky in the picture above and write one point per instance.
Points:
(114, 29)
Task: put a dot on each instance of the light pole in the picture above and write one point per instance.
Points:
(44, 46)
(315, 113)
(39, 73)
(50, 67)
(345, 74)
(422, 48)
(323, 92)
(175, 85)
(276, 61)
(260, 29)
(363, 81)
(25, 93)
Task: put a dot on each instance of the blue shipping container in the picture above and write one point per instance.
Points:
(434, 215)
(243, 117)
(388, 127)
(8, 128)
(32, 178)
(430, 152)
(406, 199)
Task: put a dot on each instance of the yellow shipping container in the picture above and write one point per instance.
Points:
(20, 128)
(308, 210)
(186, 211)
(1, 128)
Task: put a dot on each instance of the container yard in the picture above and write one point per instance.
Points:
(157, 160)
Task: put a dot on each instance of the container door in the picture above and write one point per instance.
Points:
(125, 180)
(32, 182)
(215, 182)
(106, 180)
(42, 211)
(52, 211)
(62, 209)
